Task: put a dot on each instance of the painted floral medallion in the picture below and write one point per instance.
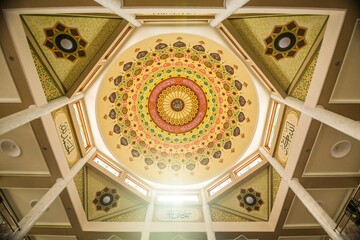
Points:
(177, 109)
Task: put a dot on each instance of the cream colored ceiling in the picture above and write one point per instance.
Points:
(30, 161)
(8, 91)
(21, 199)
(322, 163)
(331, 200)
(347, 85)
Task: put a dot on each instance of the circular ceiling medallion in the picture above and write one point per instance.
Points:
(340, 149)
(250, 199)
(285, 41)
(106, 199)
(177, 109)
(10, 148)
(177, 105)
(66, 43)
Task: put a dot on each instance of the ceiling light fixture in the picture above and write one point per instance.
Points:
(10, 148)
(340, 149)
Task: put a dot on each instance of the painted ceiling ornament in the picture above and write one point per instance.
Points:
(65, 42)
(285, 40)
(250, 199)
(106, 199)
(177, 109)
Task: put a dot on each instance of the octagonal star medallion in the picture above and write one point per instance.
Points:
(106, 199)
(65, 42)
(285, 40)
(250, 199)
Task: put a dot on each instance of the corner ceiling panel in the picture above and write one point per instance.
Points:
(249, 200)
(282, 43)
(110, 202)
(68, 43)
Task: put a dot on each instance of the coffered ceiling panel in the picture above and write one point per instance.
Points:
(8, 90)
(345, 90)
(331, 200)
(24, 159)
(22, 200)
(333, 154)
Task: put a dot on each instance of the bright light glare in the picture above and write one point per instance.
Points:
(178, 198)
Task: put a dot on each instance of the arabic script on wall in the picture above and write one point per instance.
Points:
(178, 214)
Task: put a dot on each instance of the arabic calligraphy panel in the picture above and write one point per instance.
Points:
(66, 134)
(178, 214)
(288, 130)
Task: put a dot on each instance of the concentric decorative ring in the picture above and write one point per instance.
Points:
(177, 105)
(177, 109)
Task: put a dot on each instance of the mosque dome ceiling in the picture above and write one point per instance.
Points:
(177, 108)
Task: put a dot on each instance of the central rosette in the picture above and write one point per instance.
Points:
(177, 105)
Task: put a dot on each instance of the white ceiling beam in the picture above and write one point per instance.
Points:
(231, 7)
(115, 6)
(25, 116)
(334, 120)
(303, 195)
(28, 221)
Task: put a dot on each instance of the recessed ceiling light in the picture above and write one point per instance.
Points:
(340, 149)
(66, 43)
(10, 148)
